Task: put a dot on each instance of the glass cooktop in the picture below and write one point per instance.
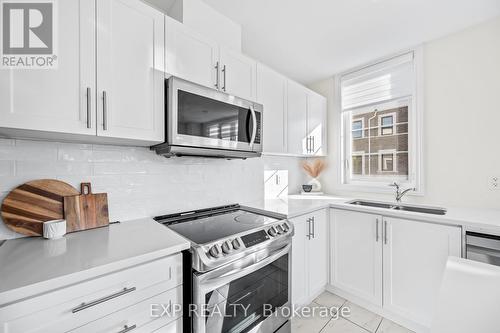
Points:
(208, 229)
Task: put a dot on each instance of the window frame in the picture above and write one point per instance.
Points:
(415, 133)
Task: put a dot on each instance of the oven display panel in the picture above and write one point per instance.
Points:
(255, 238)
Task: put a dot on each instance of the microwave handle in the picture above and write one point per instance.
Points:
(254, 127)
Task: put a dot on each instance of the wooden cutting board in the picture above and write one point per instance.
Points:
(87, 210)
(26, 207)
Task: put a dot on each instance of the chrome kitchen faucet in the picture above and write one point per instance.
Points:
(400, 194)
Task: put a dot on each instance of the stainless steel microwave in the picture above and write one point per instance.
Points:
(205, 122)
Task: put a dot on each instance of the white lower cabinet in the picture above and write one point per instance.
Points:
(108, 303)
(356, 254)
(415, 255)
(138, 317)
(309, 256)
(395, 264)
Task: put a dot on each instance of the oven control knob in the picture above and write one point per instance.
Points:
(272, 232)
(226, 247)
(215, 251)
(285, 227)
(236, 244)
(280, 230)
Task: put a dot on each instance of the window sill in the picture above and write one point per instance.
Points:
(379, 189)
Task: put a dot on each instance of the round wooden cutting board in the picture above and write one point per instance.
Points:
(26, 207)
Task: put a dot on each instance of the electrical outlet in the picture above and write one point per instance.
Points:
(495, 183)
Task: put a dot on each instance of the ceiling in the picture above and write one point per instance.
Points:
(314, 39)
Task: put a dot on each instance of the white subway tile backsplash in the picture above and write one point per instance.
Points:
(139, 182)
(7, 168)
(7, 142)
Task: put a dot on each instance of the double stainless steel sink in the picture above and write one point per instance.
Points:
(408, 208)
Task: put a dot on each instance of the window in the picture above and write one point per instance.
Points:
(387, 125)
(358, 163)
(357, 128)
(379, 124)
(387, 161)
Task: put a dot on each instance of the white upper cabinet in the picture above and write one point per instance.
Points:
(196, 58)
(55, 100)
(356, 254)
(415, 255)
(306, 121)
(109, 84)
(297, 140)
(130, 71)
(271, 92)
(316, 124)
(189, 55)
(238, 74)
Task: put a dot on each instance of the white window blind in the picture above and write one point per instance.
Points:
(383, 81)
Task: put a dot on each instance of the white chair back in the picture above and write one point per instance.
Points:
(469, 299)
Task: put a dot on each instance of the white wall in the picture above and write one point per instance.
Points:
(203, 18)
(139, 183)
(461, 120)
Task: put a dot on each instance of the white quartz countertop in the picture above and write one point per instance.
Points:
(486, 220)
(29, 266)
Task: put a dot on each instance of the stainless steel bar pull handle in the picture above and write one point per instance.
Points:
(309, 229)
(89, 108)
(376, 230)
(127, 328)
(84, 306)
(313, 227)
(224, 76)
(104, 110)
(217, 75)
(385, 231)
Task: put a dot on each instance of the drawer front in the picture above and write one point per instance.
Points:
(173, 327)
(140, 317)
(70, 307)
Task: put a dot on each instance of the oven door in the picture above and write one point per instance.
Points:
(244, 296)
(202, 117)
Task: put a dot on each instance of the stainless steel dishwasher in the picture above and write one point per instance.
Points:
(483, 247)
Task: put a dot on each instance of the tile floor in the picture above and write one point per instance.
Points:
(360, 320)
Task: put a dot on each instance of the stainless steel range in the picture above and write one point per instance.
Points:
(237, 270)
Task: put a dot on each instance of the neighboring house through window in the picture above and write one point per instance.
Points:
(380, 123)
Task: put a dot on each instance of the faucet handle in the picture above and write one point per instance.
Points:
(395, 184)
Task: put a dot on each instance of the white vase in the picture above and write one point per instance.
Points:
(316, 185)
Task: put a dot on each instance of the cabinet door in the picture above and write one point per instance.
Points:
(238, 74)
(356, 254)
(189, 55)
(271, 92)
(130, 71)
(415, 257)
(297, 142)
(318, 253)
(55, 100)
(299, 261)
(316, 124)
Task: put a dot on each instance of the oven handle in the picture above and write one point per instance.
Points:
(254, 127)
(219, 280)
